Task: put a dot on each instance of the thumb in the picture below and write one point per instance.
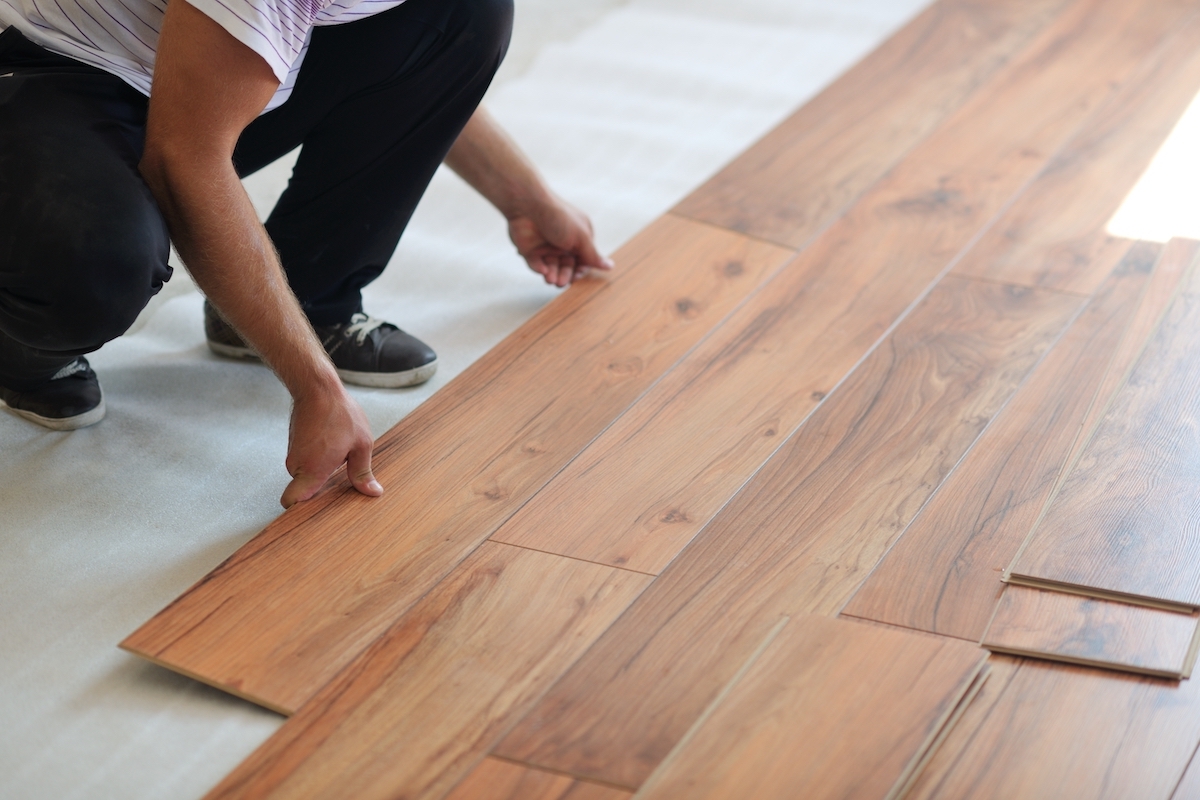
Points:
(358, 467)
(590, 257)
(302, 487)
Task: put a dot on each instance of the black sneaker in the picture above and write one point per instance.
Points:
(69, 400)
(365, 351)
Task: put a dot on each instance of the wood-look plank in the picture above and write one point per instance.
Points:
(1086, 630)
(801, 535)
(1126, 522)
(943, 576)
(277, 620)
(637, 495)
(1055, 235)
(418, 709)
(494, 779)
(1189, 786)
(780, 189)
(831, 709)
(1043, 730)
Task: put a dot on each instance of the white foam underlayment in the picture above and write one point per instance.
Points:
(625, 105)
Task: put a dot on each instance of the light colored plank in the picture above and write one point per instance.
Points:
(1086, 630)
(1043, 730)
(1126, 522)
(801, 535)
(416, 711)
(494, 779)
(780, 189)
(645, 488)
(943, 576)
(277, 620)
(1189, 786)
(831, 709)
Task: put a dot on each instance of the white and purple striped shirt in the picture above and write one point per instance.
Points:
(120, 36)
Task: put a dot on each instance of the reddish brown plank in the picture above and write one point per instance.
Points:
(781, 188)
(277, 620)
(1042, 730)
(943, 576)
(830, 709)
(494, 779)
(417, 710)
(1086, 630)
(801, 535)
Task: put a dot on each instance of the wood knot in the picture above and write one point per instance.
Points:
(626, 366)
(818, 396)
(675, 515)
(733, 268)
(687, 308)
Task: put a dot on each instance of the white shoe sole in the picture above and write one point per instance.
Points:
(374, 380)
(61, 423)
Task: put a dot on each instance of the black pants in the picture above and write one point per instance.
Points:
(377, 105)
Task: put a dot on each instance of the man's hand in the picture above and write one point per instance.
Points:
(553, 236)
(326, 432)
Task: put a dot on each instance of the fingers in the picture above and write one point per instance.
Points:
(303, 486)
(358, 467)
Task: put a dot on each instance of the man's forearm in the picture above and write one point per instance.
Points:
(488, 159)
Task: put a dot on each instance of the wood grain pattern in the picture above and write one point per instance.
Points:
(1126, 522)
(494, 779)
(277, 620)
(801, 535)
(416, 711)
(867, 120)
(1086, 630)
(1042, 730)
(943, 576)
(1054, 235)
(1189, 786)
(831, 709)
(652, 481)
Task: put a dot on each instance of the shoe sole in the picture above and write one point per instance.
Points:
(374, 380)
(60, 423)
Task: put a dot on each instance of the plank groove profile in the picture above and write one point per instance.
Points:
(830, 709)
(1093, 632)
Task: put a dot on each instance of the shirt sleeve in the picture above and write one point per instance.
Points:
(275, 29)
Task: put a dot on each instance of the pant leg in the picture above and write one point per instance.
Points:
(377, 105)
(83, 246)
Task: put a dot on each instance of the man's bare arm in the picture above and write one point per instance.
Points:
(553, 236)
(207, 88)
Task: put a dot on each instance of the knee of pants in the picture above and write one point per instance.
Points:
(491, 27)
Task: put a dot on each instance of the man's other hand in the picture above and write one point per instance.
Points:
(556, 240)
(328, 429)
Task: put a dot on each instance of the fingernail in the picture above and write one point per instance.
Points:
(374, 486)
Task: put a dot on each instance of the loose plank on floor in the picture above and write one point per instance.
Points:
(801, 535)
(831, 709)
(494, 779)
(415, 711)
(1126, 522)
(943, 576)
(1086, 630)
(865, 121)
(277, 620)
(639, 493)
(1043, 730)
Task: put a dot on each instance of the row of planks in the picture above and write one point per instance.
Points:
(730, 521)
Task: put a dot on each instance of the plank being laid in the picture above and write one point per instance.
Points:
(943, 576)
(831, 709)
(800, 536)
(277, 620)
(1043, 730)
(494, 779)
(865, 121)
(1126, 522)
(418, 709)
(651, 481)
(1086, 630)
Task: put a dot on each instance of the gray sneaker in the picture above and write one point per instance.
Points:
(365, 351)
(69, 400)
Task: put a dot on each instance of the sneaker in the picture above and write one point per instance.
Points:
(69, 400)
(365, 351)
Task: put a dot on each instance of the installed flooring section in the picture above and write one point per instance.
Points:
(845, 376)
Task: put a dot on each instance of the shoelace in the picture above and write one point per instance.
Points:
(69, 370)
(362, 325)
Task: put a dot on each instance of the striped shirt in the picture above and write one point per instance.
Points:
(120, 36)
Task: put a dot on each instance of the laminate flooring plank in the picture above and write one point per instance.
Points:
(642, 491)
(781, 188)
(1126, 522)
(289, 609)
(943, 575)
(1042, 730)
(1055, 235)
(1086, 630)
(494, 779)
(1189, 786)
(831, 709)
(801, 535)
(417, 710)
